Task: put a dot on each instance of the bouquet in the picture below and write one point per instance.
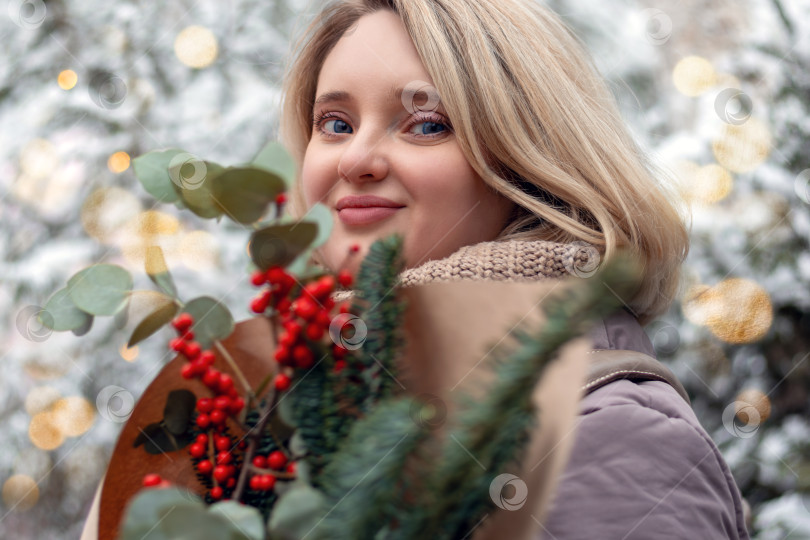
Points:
(295, 424)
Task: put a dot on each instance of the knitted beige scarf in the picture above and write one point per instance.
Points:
(505, 260)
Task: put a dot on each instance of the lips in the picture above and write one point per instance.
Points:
(365, 209)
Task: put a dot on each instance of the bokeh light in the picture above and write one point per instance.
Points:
(67, 79)
(73, 416)
(704, 185)
(196, 47)
(694, 75)
(43, 431)
(40, 399)
(106, 211)
(199, 250)
(20, 492)
(118, 162)
(752, 397)
(742, 148)
(130, 354)
(735, 310)
(38, 159)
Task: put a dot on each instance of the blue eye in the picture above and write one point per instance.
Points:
(340, 126)
(430, 128)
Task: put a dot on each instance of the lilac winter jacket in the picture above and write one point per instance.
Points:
(642, 467)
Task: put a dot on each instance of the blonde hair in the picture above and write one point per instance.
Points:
(534, 119)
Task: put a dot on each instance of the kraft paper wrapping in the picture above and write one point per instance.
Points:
(450, 329)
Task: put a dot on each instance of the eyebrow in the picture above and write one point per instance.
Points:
(341, 96)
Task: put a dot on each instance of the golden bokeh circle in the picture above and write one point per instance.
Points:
(694, 75)
(756, 399)
(130, 354)
(118, 162)
(712, 184)
(43, 431)
(73, 416)
(196, 47)
(106, 210)
(153, 223)
(20, 492)
(41, 399)
(199, 250)
(67, 79)
(735, 310)
(743, 148)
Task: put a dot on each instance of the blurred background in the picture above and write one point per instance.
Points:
(718, 92)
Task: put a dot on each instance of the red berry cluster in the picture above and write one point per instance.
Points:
(263, 480)
(224, 466)
(226, 401)
(305, 318)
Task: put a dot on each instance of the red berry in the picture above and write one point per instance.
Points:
(222, 443)
(339, 365)
(221, 473)
(222, 402)
(242, 444)
(303, 357)
(258, 278)
(281, 198)
(275, 274)
(344, 307)
(354, 248)
(266, 482)
(284, 306)
(323, 318)
(187, 371)
(282, 354)
(255, 483)
(207, 357)
(223, 458)
(192, 350)
(205, 405)
(327, 284)
(314, 332)
(205, 467)
(202, 438)
(237, 404)
(188, 335)
(259, 304)
(177, 344)
(282, 382)
(260, 462)
(197, 450)
(230, 483)
(211, 378)
(276, 460)
(217, 416)
(305, 308)
(225, 383)
(216, 493)
(198, 367)
(152, 480)
(291, 467)
(345, 278)
(203, 420)
(182, 322)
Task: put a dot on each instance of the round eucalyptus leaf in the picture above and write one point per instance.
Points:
(212, 320)
(250, 523)
(274, 158)
(279, 245)
(193, 180)
(243, 193)
(297, 511)
(100, 289)
(61, 313)
(152, 170)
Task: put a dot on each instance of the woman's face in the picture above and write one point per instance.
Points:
(372, 139)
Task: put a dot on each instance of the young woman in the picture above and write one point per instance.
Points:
(481, 131)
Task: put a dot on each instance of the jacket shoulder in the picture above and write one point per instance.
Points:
(642, 467)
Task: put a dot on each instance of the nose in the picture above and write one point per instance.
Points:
(364, 159)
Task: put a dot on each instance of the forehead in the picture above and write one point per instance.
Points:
(376, 57)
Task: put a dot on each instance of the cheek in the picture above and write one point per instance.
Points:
(314, 178)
